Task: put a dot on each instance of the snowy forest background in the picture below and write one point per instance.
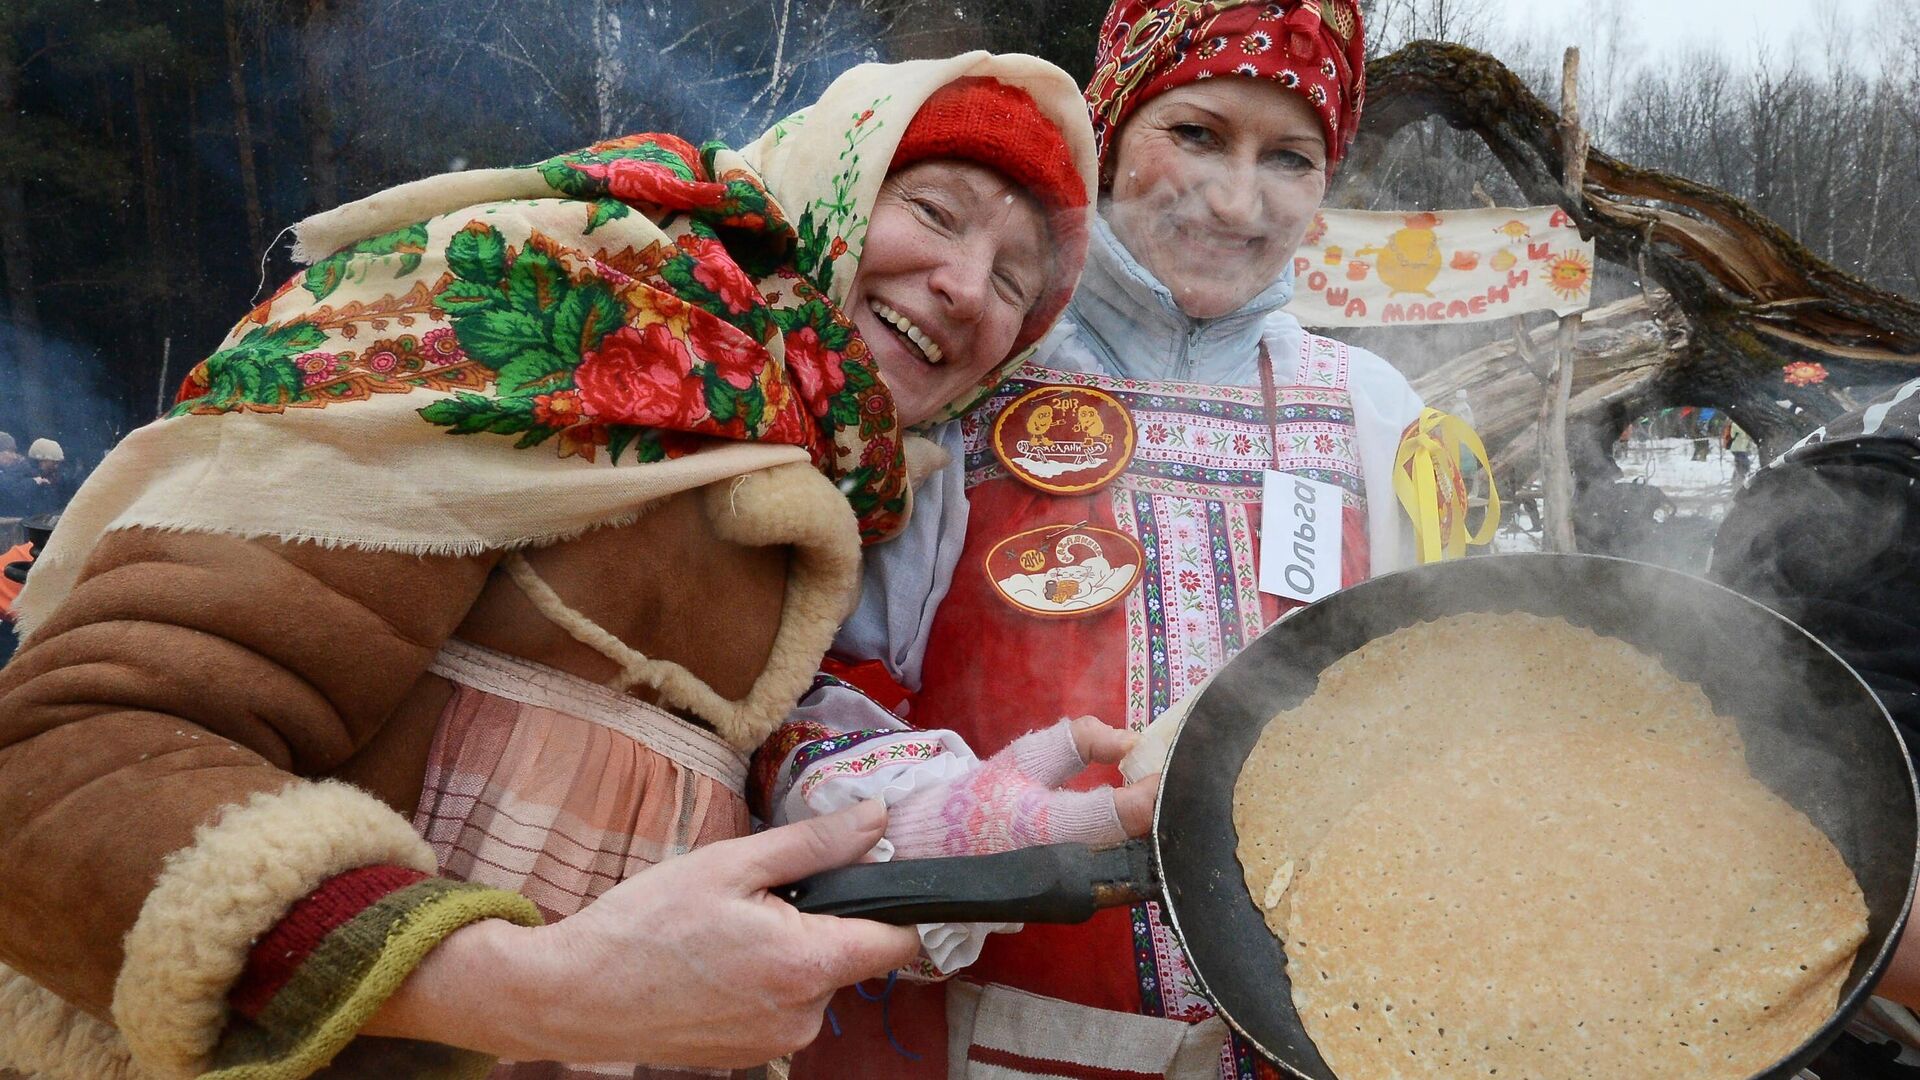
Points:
(150, 153)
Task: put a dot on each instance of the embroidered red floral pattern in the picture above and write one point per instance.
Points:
(639, 353)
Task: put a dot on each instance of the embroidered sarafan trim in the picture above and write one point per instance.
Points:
(1139, 706)
(1300, 405)
(1244, 573)
(1144, 917)
(909, 747)
(831, 745)
(1207, 445)
(764, 771)
(1191, 498)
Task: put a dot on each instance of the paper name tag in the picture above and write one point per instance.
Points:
(1300, 522)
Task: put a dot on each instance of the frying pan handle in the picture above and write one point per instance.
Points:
(1053, 883)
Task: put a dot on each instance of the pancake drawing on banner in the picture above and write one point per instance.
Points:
(1379, 268)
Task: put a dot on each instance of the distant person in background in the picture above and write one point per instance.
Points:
(1741, 445)
(16, 480)
(9, 589)
(51, 489)
(1829, 535)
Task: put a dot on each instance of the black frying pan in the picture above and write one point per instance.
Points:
(1815, 735)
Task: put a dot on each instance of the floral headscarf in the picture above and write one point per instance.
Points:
(495, 358)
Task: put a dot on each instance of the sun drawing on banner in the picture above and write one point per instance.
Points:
(1570, 275)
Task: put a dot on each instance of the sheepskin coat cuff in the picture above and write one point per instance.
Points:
(235, 885)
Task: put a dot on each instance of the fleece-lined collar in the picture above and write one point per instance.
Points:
(1133, 323)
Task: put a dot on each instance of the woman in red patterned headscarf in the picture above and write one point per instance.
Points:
(1218, 124)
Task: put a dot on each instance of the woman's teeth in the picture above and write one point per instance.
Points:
(911, 332)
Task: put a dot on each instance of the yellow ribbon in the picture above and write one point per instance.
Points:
(1433, 490)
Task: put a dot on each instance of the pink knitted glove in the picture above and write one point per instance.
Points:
(1009, 802)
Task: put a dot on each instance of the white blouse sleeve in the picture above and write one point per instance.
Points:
(1384, 405)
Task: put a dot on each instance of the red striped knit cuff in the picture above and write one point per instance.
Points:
(282, 950)
(328, 992)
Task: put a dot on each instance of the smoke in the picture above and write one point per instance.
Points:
(1430, 166)
(52, 388)
(1829, 540)
(417, 86)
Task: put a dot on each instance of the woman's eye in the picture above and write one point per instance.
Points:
(1292, 160)
(1013, 289)
(933, 212)
(1193, 133)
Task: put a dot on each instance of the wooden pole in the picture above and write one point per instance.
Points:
(166, 361)
(1556, 471)
(243, 128)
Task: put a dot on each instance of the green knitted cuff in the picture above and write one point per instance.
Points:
(317, 1015)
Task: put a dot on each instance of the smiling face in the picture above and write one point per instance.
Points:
(1214, 185)
(955, 258)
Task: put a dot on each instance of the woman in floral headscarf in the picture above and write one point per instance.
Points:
(1101, 549)
(459, 583)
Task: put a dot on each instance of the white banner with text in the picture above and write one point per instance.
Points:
(1373, 268)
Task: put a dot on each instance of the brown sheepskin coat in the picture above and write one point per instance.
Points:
(162, 732)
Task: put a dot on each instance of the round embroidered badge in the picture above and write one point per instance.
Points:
(1064, 439)
(1062, 571)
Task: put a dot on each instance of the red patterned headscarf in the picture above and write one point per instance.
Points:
(1316, 48)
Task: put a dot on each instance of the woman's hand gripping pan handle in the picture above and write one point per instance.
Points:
(1053, 883)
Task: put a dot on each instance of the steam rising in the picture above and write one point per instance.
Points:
(59, 390)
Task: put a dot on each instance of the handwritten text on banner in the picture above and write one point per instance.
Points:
(1368, 268)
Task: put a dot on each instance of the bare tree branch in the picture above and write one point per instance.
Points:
(1717, 257)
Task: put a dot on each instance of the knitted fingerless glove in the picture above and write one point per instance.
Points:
(1010, 801)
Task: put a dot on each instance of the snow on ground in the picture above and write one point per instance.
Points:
(1668, 464)
(1699, 491)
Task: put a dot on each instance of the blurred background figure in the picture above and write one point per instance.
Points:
(51, 487)
(1829, 536)
(14, 564)
(1740, 445)
(16, 488)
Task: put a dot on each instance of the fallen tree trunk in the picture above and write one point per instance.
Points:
(1752, 297)
(1620, 358)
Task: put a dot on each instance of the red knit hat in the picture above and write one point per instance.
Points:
(990, 123)
(1316, 48)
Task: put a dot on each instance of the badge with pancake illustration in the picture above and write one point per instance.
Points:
(1064, 439)
(1063, 571)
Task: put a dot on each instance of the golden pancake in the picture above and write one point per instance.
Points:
(1595, 905)
(1398, 701)
(1502, 844)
